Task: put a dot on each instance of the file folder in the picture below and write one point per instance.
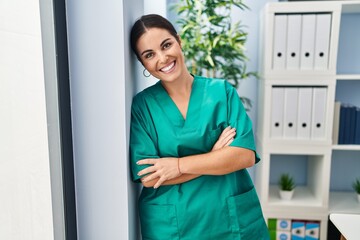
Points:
(351, 126)
(279, 54)
(290, 112)
(322, 41)
(279, 235)
(277, 112)
(357, 126)
(304, 113)
(318, 113)
(342, 123)
(279, 224)
(307, 41)
(312, 231)
(298, 230)
(336, 122)
(293, 42)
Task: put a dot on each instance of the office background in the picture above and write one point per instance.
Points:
(102, 70)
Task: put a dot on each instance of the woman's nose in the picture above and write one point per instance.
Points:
(163, 58)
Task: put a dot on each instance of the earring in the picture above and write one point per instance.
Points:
(144, 73)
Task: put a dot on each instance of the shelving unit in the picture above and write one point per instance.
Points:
(312, 198)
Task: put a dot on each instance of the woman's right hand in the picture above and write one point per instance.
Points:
(225, 138)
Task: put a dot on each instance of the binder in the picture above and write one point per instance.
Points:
(277, 112)
(336, 122)
(279, 224)
(357, 126)
(307, 41)
(298, 230)
(318, 113)
(293, 42)
(279, 235)
(290, 112)
(342, 123)
(312, 231)
(322, 41)
(279, 54)
(352, 121)
(304, 113)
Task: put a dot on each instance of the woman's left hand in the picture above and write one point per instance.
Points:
(162, 168)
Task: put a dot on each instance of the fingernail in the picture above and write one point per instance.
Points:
(137, 163)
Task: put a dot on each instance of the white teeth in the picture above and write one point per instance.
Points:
(165, 69)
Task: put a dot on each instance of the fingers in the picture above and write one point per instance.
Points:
(159, 182)
(147, 170)
(150, 177)
(229, 137)
(149, 161)
(225, 131)
(225, 138)
(229, 142)
(162, 168)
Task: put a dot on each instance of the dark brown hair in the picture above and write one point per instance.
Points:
(149, 21)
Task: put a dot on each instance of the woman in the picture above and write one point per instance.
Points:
(191, 142)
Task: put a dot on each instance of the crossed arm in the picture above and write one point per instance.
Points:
(221, 160)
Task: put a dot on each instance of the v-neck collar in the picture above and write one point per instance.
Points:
(172, 111)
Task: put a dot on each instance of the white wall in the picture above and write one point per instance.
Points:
(102, 80)
(25, 194)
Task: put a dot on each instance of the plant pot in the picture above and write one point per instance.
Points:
(286, 195)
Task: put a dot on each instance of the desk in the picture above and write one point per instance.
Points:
(347, 224)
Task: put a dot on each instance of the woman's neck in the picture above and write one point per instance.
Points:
(180, 87)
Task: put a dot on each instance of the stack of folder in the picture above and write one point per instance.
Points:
(346, 128)
(301, 41)
(286, 229)
(298, 112)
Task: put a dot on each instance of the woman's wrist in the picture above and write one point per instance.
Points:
(178, 165)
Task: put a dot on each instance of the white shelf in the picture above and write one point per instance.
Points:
(348, 77)
(343, 202)
(346, 147)
(311, 201)
(303, 197)
(350, 7)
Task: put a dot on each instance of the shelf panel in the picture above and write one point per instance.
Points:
(343, 202)
(346, 147)
(348, 77)
(303, 197)
(350, 7)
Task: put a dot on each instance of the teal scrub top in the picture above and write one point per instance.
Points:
(208, 207)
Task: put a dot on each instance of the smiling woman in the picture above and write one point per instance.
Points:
(191, 142)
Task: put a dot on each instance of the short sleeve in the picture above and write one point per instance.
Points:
(239, 119)
(142, 138)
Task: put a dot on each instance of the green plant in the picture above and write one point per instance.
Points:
(286, 182)
(356, 185)
(212, 43)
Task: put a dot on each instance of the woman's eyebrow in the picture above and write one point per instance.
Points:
(163, 42)
(149, 50)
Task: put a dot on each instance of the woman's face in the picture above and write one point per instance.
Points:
(161, 54)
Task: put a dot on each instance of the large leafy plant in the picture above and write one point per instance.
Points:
(212, 43)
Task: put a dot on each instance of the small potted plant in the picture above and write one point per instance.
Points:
(286, 185)
(356, 186)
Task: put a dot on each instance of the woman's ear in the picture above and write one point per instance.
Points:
(179, 40)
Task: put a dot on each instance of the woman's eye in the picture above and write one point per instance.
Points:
(149, 55)
(167, 45)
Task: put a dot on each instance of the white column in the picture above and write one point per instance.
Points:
(102, 86)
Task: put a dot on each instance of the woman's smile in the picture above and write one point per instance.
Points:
(169, 68)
